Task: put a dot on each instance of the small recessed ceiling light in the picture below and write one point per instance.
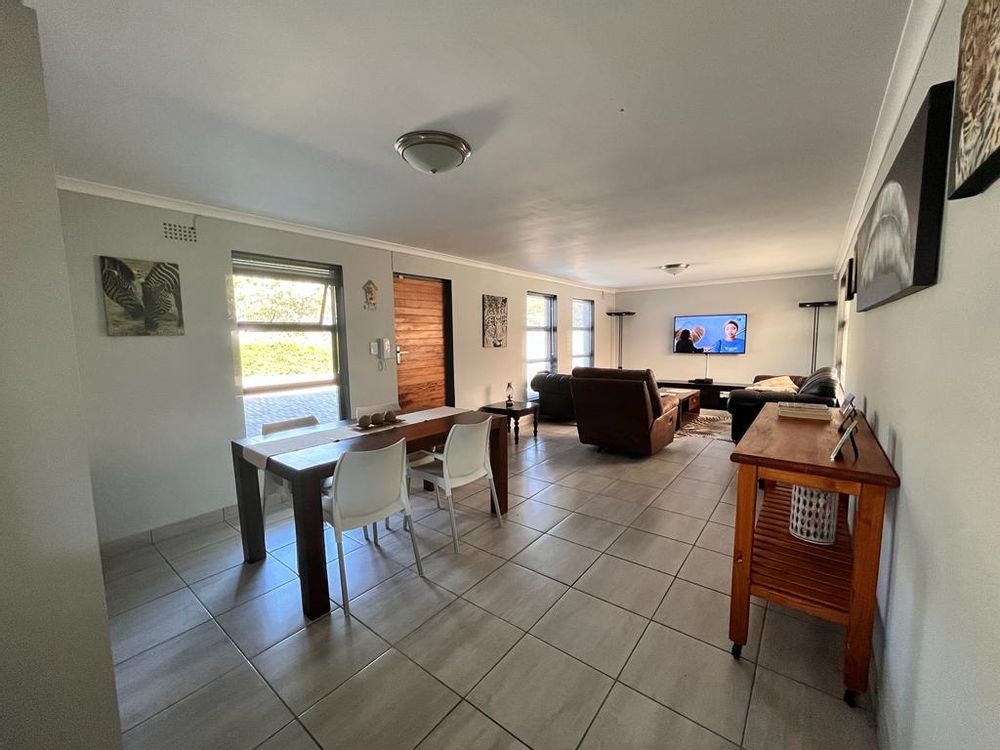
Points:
(675, 268)
(432, 151)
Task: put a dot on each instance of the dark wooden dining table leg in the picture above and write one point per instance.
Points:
(310, 546)
(498, 463)
(739, 603)
(248, 504)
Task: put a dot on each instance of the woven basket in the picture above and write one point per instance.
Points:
(813, 517)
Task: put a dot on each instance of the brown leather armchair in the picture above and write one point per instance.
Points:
(622, 410)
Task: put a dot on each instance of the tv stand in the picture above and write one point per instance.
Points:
(713, 395)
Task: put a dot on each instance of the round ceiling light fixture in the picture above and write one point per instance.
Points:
(433, 151)
(675, 268)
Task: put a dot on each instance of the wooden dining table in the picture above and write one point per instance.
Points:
(306, 468)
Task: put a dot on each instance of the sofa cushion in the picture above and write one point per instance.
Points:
(782, 383)
(823, 382)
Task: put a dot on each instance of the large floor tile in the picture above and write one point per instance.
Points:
(206, 561)
(549, 470)
(397, 544)
(262, 622)
(584, 480)
(400, 605)
(366, 568)
(716, 537)
(557, 558)
(482, 502)
(695, 488)
(460, 644)
(808, 650)
(651, 550)
(541, 695)
(611, 509)
(708, 569)
(667, 523)
(595, 632)
(289, 554)
(237, 711)
(785, 713)
(225, 590)
(633, 492)
(656, 474)
(503, 542)
(518, 595)
(709, 469)
(198, 537)
(704, 614)
(536, 515)
(630, 720)
(678, 501)
(466, 519)
(292, 737)
(525, 486)
(392, 703)
(156, 678)
(150, 624)
(701, 682)
(458, 572)
(591, 532)
(725, 514)
(130, 561)
(313, 662)
(465, 728)
(633, 587)
(140, 587)
(563, 497)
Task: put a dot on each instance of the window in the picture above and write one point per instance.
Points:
(583, 333)
(540, 337)
(290, 339)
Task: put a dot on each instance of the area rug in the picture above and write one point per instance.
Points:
(709, 423)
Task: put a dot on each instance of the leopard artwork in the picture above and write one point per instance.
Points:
(978, 88)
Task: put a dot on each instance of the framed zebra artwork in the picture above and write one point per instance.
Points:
(141, 297)
(975, 154)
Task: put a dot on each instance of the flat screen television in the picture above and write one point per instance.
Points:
(714, 334)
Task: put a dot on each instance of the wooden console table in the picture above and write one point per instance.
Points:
(835, 582)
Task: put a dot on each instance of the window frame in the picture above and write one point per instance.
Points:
(244, 264)
(552, 329)
(574, 355)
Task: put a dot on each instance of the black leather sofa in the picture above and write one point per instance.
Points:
(822, 387)
(555, 399)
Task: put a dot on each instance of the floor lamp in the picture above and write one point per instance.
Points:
(620, 316)
(815, 306)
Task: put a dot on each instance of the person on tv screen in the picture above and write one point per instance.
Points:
(730, 344)
(685, 345)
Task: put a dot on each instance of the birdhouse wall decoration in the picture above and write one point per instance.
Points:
(370, 289)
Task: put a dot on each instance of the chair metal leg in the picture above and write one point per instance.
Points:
(454, 526)
(437, 496)
(495, 499)
(413, 541)
(364, 530)
(387, 526)
(406, 523)
(343, 577)
(375, 533)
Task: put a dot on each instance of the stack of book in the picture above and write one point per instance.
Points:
(819, 412)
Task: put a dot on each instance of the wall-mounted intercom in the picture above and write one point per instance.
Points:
(382, 349)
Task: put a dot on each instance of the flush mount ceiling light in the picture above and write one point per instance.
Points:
(433, 151)
(675, 268)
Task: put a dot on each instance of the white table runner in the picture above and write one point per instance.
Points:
(263, 447)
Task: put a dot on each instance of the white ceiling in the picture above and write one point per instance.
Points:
(745, 128)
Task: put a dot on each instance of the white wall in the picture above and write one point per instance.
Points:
(925, 368)
(58, 687)
(779, 333)
(161, 411)
(481, 375)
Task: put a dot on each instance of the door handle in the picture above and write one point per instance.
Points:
(399, 354)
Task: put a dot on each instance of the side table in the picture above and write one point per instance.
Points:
(514, 412)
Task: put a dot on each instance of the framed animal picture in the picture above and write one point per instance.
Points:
(494, 322)
(975, 150)
(141, 297)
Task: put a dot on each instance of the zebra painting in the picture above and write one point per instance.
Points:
(141, 297)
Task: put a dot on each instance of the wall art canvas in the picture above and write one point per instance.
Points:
(975, 155)
(494, 322)
(898, 242)
(141, 297)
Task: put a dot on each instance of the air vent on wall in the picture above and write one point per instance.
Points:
(180, 232)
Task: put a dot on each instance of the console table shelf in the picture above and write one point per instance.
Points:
(809, 577)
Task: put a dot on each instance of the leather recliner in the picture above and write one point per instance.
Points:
(555, 399)
(622, 410)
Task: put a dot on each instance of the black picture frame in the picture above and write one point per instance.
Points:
(848, 281)
(975, 155)
(897, 246)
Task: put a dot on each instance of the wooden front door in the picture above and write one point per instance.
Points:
(423, 342)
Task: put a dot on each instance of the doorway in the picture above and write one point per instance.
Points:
(425, 368)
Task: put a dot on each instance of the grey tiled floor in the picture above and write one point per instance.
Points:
(596, 618)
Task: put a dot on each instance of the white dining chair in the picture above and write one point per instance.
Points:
(368, 486)
(275, 484)
(466, 458)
